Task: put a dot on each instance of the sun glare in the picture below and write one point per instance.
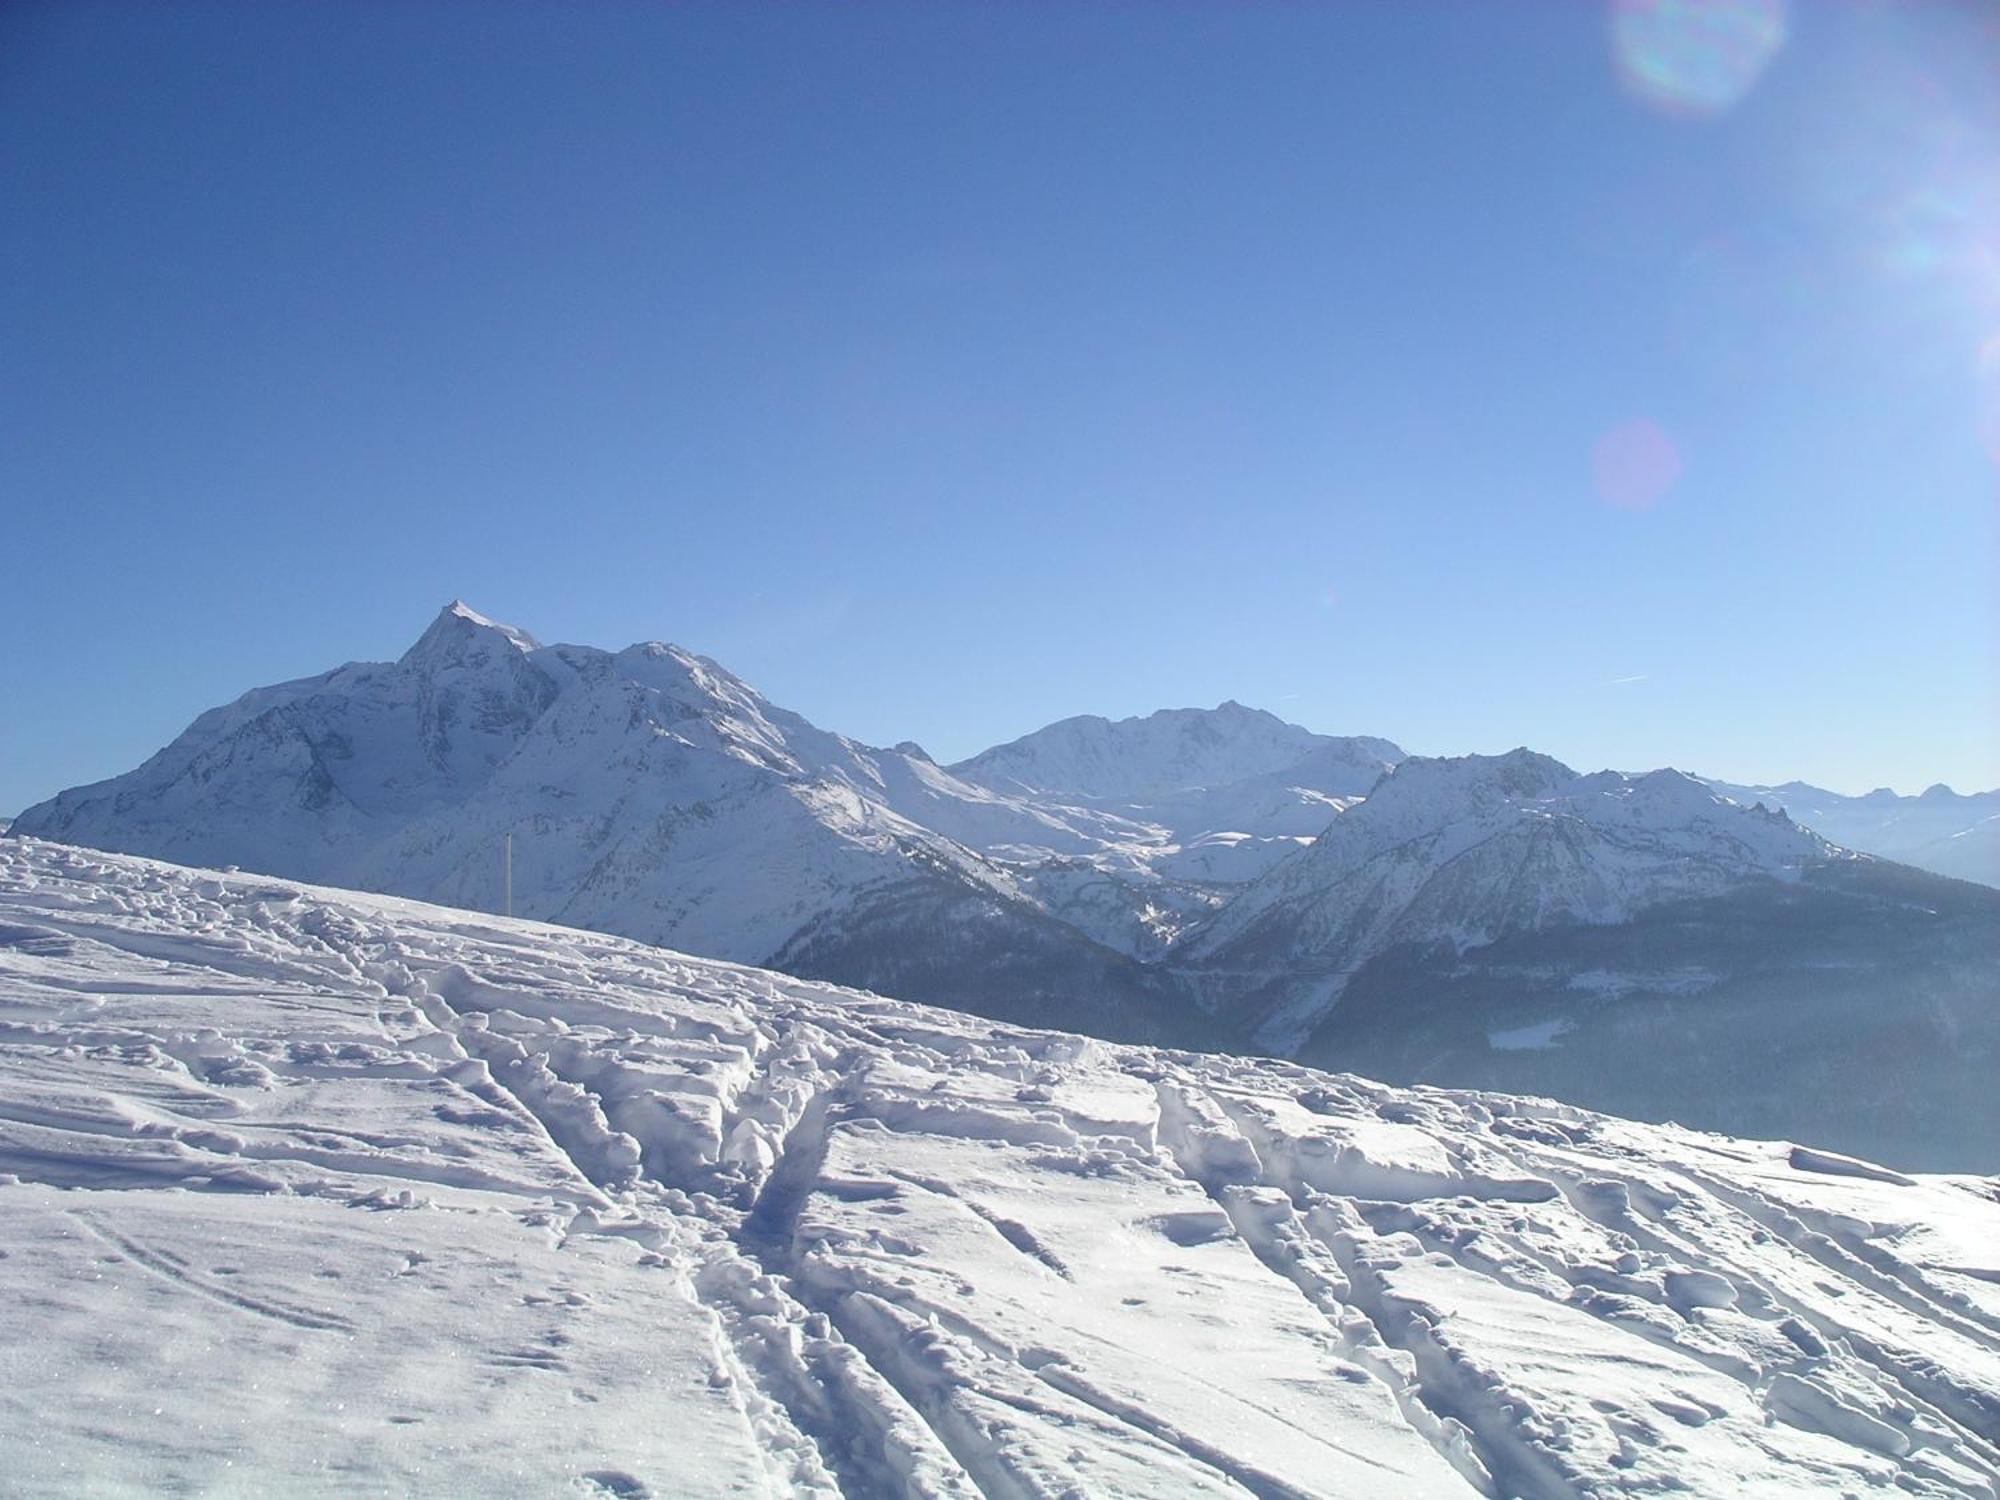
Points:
(1695, 57)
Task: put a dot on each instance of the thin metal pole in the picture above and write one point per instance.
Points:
(509, 867)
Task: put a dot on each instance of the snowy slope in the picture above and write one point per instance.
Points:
(1947, 832)
(309, 1192)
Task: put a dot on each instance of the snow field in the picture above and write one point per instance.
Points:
(317, 1192)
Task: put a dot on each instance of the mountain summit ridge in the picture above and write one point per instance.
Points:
(1170, 750)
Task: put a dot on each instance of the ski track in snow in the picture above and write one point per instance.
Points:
(318, 1192)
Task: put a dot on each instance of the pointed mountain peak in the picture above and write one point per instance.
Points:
(459, 628)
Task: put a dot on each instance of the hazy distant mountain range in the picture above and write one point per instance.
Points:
(1947, 832)
(1653, 944)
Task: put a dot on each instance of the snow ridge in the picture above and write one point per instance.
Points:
(723, 1231)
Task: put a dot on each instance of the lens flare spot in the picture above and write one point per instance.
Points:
(1634, 465)
(1694, 57)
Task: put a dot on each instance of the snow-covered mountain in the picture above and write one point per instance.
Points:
(643, 787)
(1213, 797)
(1458, 851)
(1637, 941)
(1175, 750)
(308, 1192)
(647, 792)
(1947, 832)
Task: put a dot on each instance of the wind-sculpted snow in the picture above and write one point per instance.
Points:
(313, 1192)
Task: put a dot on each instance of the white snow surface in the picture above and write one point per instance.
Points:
(312, 1192)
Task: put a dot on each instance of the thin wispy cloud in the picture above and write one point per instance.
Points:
(1621, 681)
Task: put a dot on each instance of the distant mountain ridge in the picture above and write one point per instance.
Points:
(1502, 921)
(1172, 751)
(1947, 832)
(1195, 877)
(1216, 796)
(1459, 851)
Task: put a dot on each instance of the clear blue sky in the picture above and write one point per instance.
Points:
(1435, 371)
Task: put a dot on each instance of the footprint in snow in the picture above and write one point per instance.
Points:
(615, 1482)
